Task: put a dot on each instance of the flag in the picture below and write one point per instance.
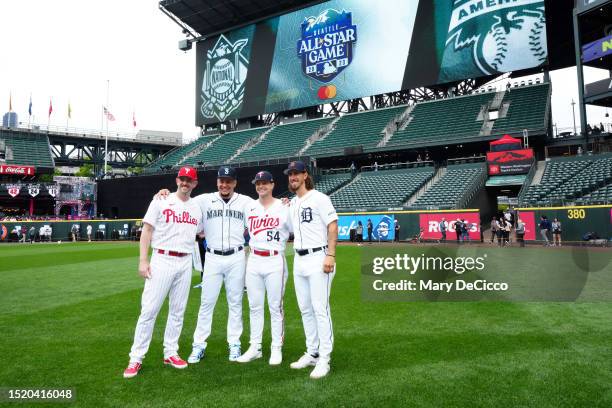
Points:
(30, 106)
(10, 103)
(69, 111)
(109, 115)
(50, 107)
(134, 119)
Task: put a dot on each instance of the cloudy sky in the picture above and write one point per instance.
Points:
(69, 50)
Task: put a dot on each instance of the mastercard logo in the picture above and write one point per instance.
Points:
(327, 92)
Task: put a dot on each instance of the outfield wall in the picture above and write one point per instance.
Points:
(102, 230)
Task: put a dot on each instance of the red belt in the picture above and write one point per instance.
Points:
(265, 253)
(171, 253)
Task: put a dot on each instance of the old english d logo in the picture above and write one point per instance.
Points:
(326, 46)
(306, 214)
(224, 78)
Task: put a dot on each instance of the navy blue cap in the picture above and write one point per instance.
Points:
(226, 172)
(298, 166)
(263, 176)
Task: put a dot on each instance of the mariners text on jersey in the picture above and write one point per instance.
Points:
(239, 215)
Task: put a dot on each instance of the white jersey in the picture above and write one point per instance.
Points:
(89, 228)
(268, 228)
(224, 223)
(175, 223)
(310, 216)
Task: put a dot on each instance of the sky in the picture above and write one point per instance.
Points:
(71, 51)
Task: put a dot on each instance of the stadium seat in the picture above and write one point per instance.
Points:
(331, 182)
(31, 149)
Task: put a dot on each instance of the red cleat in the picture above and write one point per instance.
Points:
(132, 370)
(176, 362)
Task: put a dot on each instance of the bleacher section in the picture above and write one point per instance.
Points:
(600, 196)
(177, 154)
(381, 189)
(455, 188)
(225, 147)
(356, 129)
(443, 121)
(31, 149)
(527, 109)
(284, 140)
(331, 182)
(571, 179)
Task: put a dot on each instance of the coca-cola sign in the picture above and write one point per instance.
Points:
(17, 170)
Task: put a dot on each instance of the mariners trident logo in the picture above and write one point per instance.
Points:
(503, 36)
(224, 78)
(326, 46)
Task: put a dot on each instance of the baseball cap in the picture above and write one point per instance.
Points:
(226, 172)
(298, 166)
(263, 176)
(188, 171)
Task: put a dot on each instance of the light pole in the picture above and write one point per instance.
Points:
(574, 114)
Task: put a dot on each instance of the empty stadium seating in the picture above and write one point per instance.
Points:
(176, 155)
(454, 188)
(356, 129)
(284, 140)
(379, 189)
(444, 120)
(569, 179)
(223, 148)
(331, 182)
(27, 148)
(527, 109)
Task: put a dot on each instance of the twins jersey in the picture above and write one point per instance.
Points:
(310, 216)
(224, 223)
(268, 228)
(175, 223)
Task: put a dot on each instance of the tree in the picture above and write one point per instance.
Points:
(85, 170)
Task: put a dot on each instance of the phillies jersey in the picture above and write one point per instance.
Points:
(310, 216)
(224, 223)
(175, 223)
(268, 228)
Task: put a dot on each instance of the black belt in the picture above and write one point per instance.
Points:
(302, 252)
(225, 253)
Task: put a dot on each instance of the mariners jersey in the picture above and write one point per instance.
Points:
(310, 216)
(268, 228)
(175, 222)
(224, 223)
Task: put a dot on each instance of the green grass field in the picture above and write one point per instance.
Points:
(67, 316)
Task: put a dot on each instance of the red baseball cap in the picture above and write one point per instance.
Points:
(188, 171)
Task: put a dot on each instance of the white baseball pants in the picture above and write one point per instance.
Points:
(218, 270)
(266, 275)
(171, 276)
(312, 289)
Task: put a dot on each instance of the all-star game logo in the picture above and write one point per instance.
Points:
(504, 35)
(326, 46)
(224, 78)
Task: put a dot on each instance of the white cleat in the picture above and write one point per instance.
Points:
(305, 361)
(234, 352)
(320, 370)
(276, 356)
(253, 353)
(196, 355)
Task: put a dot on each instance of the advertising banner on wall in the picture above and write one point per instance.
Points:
(382, 226)
(510, 162)
(430, 224)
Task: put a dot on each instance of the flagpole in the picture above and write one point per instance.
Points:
(106, 136)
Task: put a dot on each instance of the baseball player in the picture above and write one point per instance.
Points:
(266, 272)
(315, 225)
(89, 230)
(224, 222)
(170, 227)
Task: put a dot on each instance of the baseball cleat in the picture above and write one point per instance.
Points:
(306, 360)
(132, 370)
(234, 352)
(176, 362)
(276, 355)
(198, 286)
(196, 355)
(253, 353)
(321, 369)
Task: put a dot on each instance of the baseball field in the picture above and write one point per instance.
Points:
(67, 316)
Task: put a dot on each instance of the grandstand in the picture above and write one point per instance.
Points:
(223, 147)
(455, 188)
(25, 148)
(381, 189)
(581, 178)
(331, 182)
(524, 107)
